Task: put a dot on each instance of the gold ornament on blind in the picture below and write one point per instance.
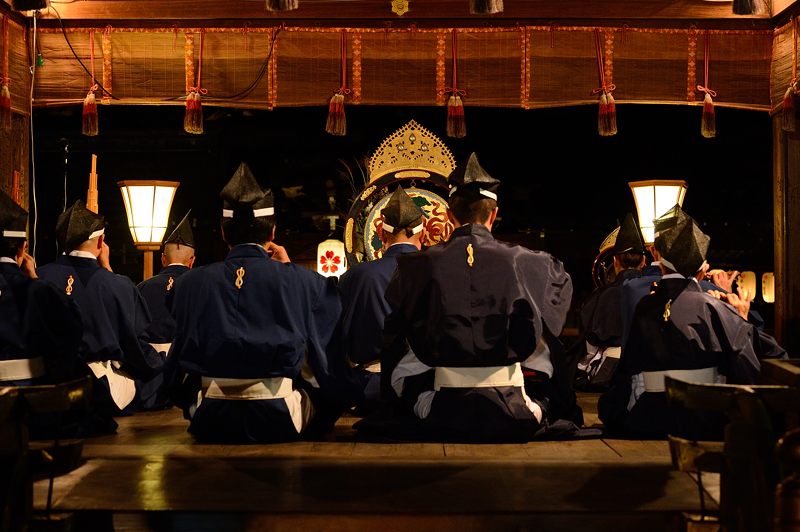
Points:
(411, 152)
(400, 7)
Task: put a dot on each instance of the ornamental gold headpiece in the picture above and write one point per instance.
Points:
(411, 152)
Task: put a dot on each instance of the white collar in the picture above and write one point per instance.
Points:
(673, 276)
(402, 244)
(7, 260)
(655, 263)
(174, 264)
(81, 254)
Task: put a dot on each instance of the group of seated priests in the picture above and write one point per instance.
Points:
(456, 342)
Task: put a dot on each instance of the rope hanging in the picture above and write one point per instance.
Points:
(789, 115)
(708, 126)
(607, 108)
(456, 123)
(337, 121)
(89, 123)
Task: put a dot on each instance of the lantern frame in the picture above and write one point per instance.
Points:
(648, 213)
(138, 214)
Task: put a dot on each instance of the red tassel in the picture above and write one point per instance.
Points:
(789, 118)
(198, 114)
(188, 117)
(337, 122)
(602, 115)
(89, 127)
(193, 118)
(456, 124)
(708, 127)
(611, 117)
(5, 107)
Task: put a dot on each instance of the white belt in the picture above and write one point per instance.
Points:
(162, 347)
(247, 389)
(610, 352)
(21, 369)
(121, 386)
(654, 380)
(478, 377)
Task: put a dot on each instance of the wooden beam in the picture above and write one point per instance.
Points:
(632, 11)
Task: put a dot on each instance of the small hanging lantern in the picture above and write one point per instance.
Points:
(485, 7)
(653, 198)
(330, 258)
(747, 280)
(768, 287)
(282, 5)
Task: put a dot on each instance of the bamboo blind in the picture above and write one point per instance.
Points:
(500, 67)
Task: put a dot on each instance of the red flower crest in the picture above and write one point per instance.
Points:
(330, 262)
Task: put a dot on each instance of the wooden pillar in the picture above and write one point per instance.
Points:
(786, 188)
(148, 265)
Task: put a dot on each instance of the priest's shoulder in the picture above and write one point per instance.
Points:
(417, 258)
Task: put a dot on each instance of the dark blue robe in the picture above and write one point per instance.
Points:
(635, 289)
(699, 332)
(492, 313)
(280, 317)
(115, 321)
(155, 292)
(36, 320)
(601, 326)
(364, 309)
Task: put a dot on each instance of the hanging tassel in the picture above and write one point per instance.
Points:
(485, 7)
(337, 122)
(708, 127)
(282, 5)
(606, 108)
(89, 125)
(5, 107)
(456, 124)
(602, 115)
(611, 120)
(789, 118)
(193, 117)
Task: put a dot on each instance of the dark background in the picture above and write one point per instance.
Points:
(564, 187)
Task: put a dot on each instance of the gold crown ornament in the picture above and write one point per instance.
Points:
(411, 152)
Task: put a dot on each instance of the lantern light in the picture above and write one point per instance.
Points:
(768, 287)
(147, 204)
(654, 198)
(747, 280)
(331, 260)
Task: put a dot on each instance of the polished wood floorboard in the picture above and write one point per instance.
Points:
(153, 465)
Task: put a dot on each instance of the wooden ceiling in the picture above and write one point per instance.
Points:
(664, 13)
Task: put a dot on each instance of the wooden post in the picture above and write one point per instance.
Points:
(786, 189)
(148, 265)
(91, 194)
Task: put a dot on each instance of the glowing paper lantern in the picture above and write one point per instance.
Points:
(747, 280)
(654, 198)
(331, 260)
(768, 287)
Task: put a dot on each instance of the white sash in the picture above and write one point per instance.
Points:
(478, 377)
(654, 380)
(21, 369)
(120, 384)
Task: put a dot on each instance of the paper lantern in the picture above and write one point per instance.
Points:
(654, 198)
(747, 280)
(331, 260)
(768, 287)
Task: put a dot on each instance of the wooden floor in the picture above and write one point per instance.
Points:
(152, 476)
